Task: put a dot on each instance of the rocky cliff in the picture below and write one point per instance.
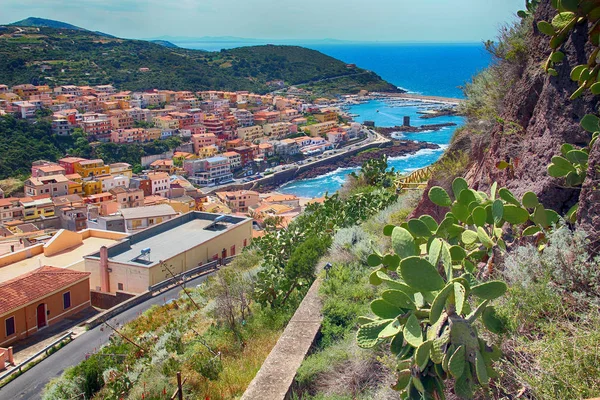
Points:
(534, 119)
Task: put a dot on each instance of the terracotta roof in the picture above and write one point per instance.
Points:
(36, 285)
(281, 197)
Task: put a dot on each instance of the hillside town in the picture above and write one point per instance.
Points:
(76, 216)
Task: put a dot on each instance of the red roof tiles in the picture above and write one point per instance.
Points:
(35, 285)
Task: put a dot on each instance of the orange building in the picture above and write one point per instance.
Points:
(40, 298)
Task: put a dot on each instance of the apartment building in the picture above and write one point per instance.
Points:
(239, 201)
(90, 168)
(61, 127)
(138, 218)
(120, 119)
(96, 125)
(277, 130)
(208, 171)
(156, 183)
(10, 209)
(244, 117)
(202, 140)
(37, 207)
(235, 159)
(128, 197)
(52, 185)
(45, 168)
(250, 133)
(321, 128)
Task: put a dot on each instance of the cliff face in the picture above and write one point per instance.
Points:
(537, 118)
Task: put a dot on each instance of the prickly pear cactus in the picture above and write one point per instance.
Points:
(431, 297)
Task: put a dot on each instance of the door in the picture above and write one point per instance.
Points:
(224, 253)
(41, 316)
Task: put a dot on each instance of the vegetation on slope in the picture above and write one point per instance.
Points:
(22, 142)
(84, 58)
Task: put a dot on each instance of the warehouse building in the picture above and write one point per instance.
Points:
(182, 243)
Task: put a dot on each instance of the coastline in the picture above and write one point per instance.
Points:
(396, 148)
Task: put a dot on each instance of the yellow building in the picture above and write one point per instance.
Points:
(166, 123)
(326, 115)
(181, 244)
(37, 208)
(75, 187)
(322, 128)
(207, 151)
(92, 187)
(89, 168)
(251, 133)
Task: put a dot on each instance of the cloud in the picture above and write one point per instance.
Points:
(400, 20)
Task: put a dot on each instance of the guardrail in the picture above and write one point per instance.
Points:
(23, 364)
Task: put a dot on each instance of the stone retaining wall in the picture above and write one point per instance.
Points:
(276, 376)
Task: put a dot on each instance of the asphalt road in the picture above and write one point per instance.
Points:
(31, 384)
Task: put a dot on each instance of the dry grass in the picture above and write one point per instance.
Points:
(11, 186)
(239, 369)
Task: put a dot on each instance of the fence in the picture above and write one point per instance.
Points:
(23, 364)
(415, 180)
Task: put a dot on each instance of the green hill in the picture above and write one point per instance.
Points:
(35, 22)
(73, 56)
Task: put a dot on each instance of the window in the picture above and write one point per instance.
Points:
(66, 300)
(245, 242)
(119, 286)
(10, 326)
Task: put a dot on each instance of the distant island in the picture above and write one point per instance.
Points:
(41, 51)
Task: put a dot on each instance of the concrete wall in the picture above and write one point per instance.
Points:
(21, 255)
(147, 160)
(62, 240)
(134, 279)
(108, 300)
(26, 317)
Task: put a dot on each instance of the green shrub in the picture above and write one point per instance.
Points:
(65, 387)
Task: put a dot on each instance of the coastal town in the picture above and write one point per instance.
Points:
(90, 235)
(71, 214)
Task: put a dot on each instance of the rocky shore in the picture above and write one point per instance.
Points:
(413, 129)
(398, 148)
(439, 113)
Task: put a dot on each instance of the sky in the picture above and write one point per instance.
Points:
(354, 20)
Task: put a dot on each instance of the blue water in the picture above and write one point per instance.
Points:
(388, 115)
(429, 69)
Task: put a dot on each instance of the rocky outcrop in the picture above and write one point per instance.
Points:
(398, 148)
(536, 117)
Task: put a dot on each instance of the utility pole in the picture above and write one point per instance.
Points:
(179, 387)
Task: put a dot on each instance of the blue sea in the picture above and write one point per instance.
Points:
(385, 114)
(428, 69)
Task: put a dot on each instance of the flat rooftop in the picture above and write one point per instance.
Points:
(171, 238)
(60, 260)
